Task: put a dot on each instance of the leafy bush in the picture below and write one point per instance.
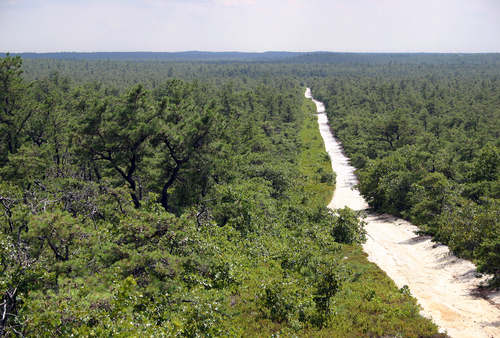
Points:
(385, 183)
(348, 226)
(464, 225)
(488, 257)
(427, 199)
(287, 300)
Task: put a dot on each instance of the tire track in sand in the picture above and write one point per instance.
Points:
(443, 284)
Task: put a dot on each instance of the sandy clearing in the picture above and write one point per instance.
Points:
(443, 284)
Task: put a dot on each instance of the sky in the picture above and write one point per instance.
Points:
(388, 26)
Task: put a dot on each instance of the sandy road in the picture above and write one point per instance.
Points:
(443, 284)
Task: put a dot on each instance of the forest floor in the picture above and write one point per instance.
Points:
(445, 286)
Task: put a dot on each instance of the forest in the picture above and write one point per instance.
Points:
(188, 199)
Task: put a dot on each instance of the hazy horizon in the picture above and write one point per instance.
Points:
(234, 51)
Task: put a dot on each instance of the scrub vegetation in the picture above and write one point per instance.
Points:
(189, 200)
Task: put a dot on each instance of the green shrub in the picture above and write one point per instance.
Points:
(488, 257)
(287, 300)
(348, 226)
(464, 225)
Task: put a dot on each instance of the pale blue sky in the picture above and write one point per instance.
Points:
(468, 26)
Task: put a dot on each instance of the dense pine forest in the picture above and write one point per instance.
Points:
(188, 199)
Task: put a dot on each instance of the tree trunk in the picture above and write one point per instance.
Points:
(164, 192)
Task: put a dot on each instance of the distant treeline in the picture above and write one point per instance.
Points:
(288, 57)
(405, 58)
(158, 56)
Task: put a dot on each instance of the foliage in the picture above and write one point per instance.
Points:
(176, 209)
(15, 108)
(386, 182)
(348, 226)
(489, 257)
(428, 198)
(287, 300)
(466, 225)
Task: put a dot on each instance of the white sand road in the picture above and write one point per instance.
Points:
(445, 286)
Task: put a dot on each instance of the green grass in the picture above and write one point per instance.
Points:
(314, 161)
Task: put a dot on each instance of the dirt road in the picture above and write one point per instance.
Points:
(443, 284)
